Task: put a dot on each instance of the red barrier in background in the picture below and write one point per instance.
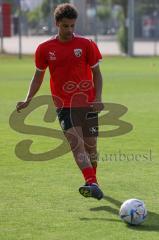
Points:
(6, 19)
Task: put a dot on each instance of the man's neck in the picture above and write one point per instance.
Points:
(62, 39)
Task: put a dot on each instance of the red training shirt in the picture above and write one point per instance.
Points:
(70, 66)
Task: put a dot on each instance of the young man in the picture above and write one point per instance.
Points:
(76, 87)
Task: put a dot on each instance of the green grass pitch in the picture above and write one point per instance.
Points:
(40, 200)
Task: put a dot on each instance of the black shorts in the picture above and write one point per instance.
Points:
(83, 117)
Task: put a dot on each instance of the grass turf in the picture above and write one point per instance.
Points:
(40, 200)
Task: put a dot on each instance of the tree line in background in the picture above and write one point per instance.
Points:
(142, 7)
(42, 14)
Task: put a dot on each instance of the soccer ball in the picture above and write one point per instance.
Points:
(133, 211)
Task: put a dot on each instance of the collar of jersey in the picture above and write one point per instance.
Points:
(63, 43)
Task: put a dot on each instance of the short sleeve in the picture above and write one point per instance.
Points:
(93, 54)
(40, 59)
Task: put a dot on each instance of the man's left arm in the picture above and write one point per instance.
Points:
(98, 84)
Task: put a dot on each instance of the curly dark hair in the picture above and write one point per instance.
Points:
(65, 10)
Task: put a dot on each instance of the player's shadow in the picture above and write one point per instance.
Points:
(151, 224)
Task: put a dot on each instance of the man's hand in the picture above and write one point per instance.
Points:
(34, 87)
(21, 105)
(97, 106)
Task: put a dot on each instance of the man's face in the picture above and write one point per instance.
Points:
(66, 28)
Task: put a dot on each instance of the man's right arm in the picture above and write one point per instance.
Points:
(34, 87)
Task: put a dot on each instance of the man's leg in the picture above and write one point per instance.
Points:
(71, 125)
(90, 144)
(75, 138)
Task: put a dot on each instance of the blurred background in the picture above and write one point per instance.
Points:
(120, 27)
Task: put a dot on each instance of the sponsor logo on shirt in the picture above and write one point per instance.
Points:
(52, 56)
(78, 52)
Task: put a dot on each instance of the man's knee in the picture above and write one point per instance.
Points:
(92, 152)
(75, 140)
(90, 143)
(91, 147)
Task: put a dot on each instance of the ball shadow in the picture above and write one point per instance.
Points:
(150, 224)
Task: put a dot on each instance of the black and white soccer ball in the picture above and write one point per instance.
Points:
(133, 211)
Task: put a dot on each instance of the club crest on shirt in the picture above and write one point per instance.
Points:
(78, 52)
